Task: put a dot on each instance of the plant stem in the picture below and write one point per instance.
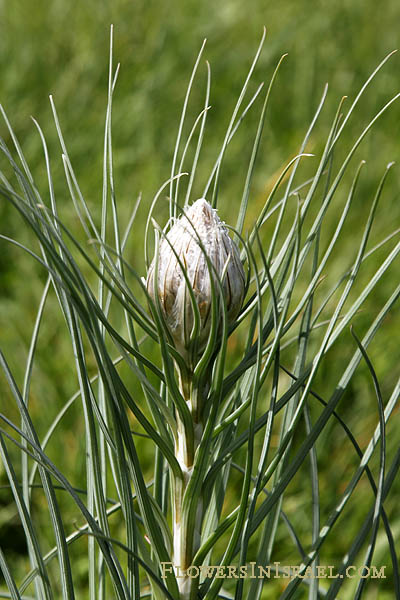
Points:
(186, 542)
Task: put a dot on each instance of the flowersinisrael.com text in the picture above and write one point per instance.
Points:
(275, 571)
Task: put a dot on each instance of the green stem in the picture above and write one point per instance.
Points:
(186, 540)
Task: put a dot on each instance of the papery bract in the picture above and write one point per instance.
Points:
(198, 232)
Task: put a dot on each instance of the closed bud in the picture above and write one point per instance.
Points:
(197, 232)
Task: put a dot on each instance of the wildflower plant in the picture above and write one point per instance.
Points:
(209, 417)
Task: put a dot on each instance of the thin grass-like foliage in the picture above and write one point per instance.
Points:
(259, 378)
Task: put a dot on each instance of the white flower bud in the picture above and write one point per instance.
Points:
(201, 222)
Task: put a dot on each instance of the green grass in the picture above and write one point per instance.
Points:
(63, 50)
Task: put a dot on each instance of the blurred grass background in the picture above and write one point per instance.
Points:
(61, 48)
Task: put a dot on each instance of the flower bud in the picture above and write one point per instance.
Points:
(200, 225)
